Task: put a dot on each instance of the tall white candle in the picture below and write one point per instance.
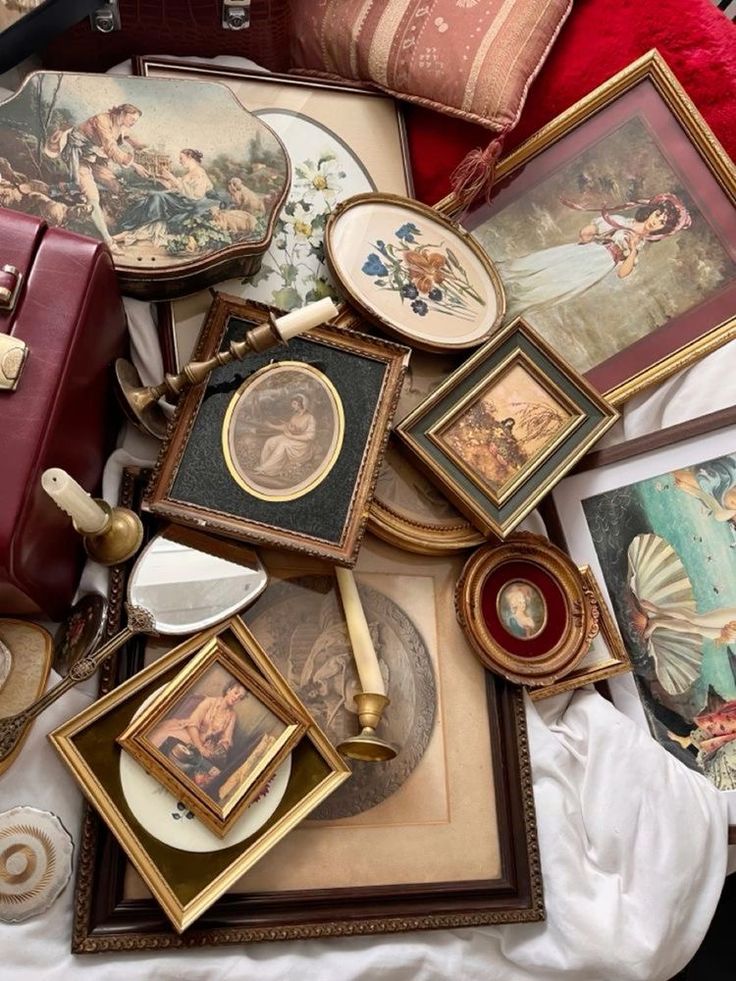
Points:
(366, 659)
(303, 319)
(68, 495)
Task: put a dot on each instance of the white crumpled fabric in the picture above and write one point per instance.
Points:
(633, 844)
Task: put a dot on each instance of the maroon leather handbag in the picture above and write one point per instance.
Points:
(58, 295)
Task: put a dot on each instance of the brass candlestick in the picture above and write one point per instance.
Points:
(367, 746)
(119, 539)
(140, 402)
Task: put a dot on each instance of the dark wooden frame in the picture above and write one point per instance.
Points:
(104, 921)
(338, 335)
(679, 432)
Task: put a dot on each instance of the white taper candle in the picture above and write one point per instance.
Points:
(366, 659)
(68, 495)
(303, 319)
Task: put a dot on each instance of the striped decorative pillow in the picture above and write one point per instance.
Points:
(470, 58)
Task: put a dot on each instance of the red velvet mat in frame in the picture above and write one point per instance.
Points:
(526, 610)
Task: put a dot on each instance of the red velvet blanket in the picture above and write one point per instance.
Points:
(599, 39)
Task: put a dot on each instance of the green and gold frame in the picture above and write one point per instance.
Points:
(244, 728)
(500, 432)
(185, 865)
(282, 448)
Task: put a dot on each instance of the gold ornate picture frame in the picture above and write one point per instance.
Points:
(504, 428)
(185, 866)
(527, 610)
(606, 657)
(244, 732)
(624, 303)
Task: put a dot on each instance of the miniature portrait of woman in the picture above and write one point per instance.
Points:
(283, 431)
(521, 609)
(294, 442)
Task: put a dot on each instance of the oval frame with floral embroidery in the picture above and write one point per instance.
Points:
(571, 610)
(438, 283)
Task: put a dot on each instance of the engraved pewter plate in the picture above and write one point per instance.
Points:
(180, 181)
(301, 623)
(169, 820)
(35, 862)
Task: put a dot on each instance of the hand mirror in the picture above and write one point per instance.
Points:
(181, 583)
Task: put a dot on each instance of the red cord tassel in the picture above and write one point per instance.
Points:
(476, 172)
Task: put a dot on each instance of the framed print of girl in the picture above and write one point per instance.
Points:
(611, 243)
(613, 230)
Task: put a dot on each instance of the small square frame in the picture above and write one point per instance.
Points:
(499, 512)
(218, 818)
(590, 671)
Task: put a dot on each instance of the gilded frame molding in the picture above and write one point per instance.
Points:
(339, 335)
(618, 662)
(481, 506)
(581, 610)
(183, 907)
(653, 68)
(218, 818)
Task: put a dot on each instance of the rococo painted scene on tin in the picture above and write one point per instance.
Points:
(667, 547)
(118, 159)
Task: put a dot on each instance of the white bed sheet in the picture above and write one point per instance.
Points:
(633, 844)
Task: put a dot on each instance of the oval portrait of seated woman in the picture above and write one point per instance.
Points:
(283, 431)
(521, 609)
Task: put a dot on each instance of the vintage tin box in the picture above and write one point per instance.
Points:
(175, 176)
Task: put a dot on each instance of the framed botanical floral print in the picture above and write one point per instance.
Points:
(614, 232)
(655, 519)
(340, 140)
(504, 428)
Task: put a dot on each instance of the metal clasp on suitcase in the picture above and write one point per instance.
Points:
(107, 18)
(13, 354)
(235, 15)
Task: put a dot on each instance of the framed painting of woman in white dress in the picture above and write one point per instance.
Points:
(614, 232)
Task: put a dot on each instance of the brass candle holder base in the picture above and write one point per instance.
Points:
(367, 746)
(146, 414)
(120, 538)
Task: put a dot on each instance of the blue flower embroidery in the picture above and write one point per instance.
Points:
(409, 291)
(435, 294)
(374, 267)
(381, 246)
(407, 232)
(420, 307)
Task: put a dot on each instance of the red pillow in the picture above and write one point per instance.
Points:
(599, 39)
(468, 58)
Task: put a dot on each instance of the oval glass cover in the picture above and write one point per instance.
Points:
(187, 589)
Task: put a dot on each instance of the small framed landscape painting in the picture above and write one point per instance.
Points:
(613, 230)
(655, 518)
(504, 427)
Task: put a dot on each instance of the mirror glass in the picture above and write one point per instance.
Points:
(186, 589)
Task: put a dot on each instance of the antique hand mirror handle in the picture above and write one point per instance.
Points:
(182, 582)
(12, 727)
